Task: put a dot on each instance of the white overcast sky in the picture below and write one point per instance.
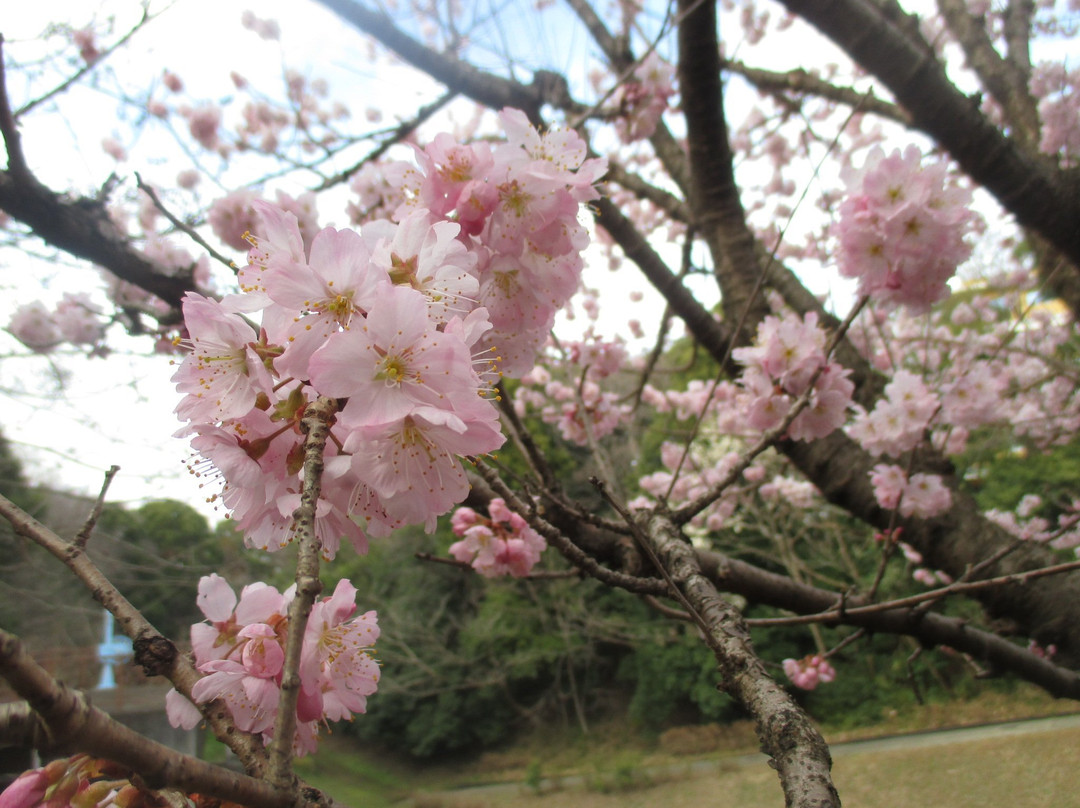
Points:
(119, 410)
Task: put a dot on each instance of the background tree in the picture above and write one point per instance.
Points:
(716, 147)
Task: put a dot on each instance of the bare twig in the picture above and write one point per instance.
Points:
(83, 535)
(157, 654)
(959, 587)
(191, 232)
(82, 71)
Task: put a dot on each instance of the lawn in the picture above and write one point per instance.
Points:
(614, 767)
(1029, 771)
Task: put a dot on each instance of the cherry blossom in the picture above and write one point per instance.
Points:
(503, 544)
(902, 227)
(35, 327)
(241, 651)
(810, 671)
(786, 354)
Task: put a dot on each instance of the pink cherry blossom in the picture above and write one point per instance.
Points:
(232, 217)
(393, 361)
(808, 672)
(244, 662)
(786, 354)
(35, 327)
(902, 228)
(503, 544)
(27, 790)
(224, 372)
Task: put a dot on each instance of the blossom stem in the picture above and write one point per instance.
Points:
(318, 417)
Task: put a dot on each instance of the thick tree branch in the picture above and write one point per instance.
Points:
(1007, 84)
(81, 226)
(1049, 611)
(458, 76)
(796, 748)
(72, 725)
(157, 654)
(714, 198)
(621, 58)
(665, 200)
(930, 629)
(1039, 196)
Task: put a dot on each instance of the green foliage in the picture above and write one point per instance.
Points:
(674, 675)
(24, 588)
(626, 774)
(1001, 471)
(164, 548)
(534, 776)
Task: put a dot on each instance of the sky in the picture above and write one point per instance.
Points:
(71, 418)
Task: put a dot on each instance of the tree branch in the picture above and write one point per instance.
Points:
(318, 417)
(797, 750)
(458, 76)
(1007, 84)
(1039, 196)
(71, 725)
(157, 654)
(801, 82)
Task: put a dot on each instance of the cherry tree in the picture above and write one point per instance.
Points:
(337, 383)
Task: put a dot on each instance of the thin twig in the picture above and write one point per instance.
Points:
(157, 654)
(83, 536)
(555, 537)
(403, 130)
(78, 74)
(956, 588)
(191, 232)
(76, 726)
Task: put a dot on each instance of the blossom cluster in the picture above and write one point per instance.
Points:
(407, 323)
(902, 227)
(688, 476)
(241, 651)
(922, 495)
(78, 782)
(76, 319)
(503, 544)
(808, 672)
(788, 355)
(519, 202)
(900, 419)
(581, 408)
(642, 100)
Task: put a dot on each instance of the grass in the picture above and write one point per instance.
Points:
(355, 777)
(618, 767)
(1031, 771)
